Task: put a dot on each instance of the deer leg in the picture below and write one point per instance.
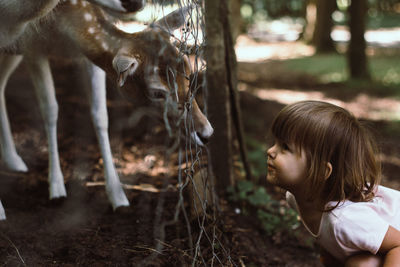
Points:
(11, 159)
(2, 212)
(40, 73)
(95, 86)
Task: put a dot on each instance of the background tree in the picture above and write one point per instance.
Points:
(319, 24)
(310, 17)
(235, 18)
(356, 56)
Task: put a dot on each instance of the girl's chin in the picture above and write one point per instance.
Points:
(271, 179)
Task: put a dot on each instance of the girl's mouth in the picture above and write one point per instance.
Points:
(270, 167)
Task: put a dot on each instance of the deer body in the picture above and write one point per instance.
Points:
(17, 15)
(138, 62)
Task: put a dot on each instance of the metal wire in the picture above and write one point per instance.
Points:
(191, 156)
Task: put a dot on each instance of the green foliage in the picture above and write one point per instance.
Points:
(327, 67)
(276, 8)
(257, 11)
(257, 157)
(378, 20)
(273, 216)
(333, 68)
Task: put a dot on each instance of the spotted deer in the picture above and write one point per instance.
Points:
(143, 64)
(17, 15)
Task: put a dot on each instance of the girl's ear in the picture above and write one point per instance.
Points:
(328, 170)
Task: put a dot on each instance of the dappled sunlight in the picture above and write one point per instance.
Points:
(131, 27)
(249, 50)
(379, 37)
(178, 34)
(151, 165)
(362, 106)
(140, 187)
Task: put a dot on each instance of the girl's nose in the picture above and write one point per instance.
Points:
(271, 152)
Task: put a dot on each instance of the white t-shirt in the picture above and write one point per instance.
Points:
(353, 227)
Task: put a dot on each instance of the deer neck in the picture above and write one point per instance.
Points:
(94, 35)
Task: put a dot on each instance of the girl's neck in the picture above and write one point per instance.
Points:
(303, 200)
(310, 204)
(310, 211)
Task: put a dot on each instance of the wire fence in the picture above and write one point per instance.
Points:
(205, 243)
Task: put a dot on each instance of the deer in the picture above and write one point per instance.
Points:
(17, 15)
(142, 64)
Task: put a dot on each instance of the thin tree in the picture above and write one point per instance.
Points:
(222, 93)
(356, 55)
(235, 18)
(319, 24)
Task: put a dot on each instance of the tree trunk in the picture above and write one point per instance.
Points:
(223, 100)
(319, 24)
(356, 56)
(218, 96)
(230, 61)
(323, 27)
(235, 18)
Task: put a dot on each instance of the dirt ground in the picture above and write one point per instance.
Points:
(83, 230)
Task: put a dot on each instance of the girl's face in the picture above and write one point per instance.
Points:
(287, 168)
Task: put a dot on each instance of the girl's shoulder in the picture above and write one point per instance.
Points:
(385, 206)
(357, 226)
(387, 192)
(383, 196)
(360, 226)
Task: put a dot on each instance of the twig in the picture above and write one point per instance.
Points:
(16, 249)
(145, 248)
(241, 262)
(184, 252)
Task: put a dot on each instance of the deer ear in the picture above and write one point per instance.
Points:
(175, 19)
(124, 66)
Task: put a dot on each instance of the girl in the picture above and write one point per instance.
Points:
(325, 159)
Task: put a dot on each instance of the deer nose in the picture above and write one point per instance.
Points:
(203, 139)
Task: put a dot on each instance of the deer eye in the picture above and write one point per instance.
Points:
(158, 94)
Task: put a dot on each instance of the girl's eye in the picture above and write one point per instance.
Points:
(285, 147)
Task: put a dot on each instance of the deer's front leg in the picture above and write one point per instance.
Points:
(94, 81)
(11, 159)
(40, 73)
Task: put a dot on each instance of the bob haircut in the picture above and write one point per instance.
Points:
(328, 133)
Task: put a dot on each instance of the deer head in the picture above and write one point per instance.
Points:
(151, 67)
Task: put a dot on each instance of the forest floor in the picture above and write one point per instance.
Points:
(83, 230)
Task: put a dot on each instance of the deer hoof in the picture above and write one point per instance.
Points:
(117, 198)
(15, 163)
(2, 213)
(57, 190)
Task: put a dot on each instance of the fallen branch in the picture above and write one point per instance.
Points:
(16, 249)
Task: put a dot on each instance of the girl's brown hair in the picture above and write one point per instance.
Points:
(328, 133)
